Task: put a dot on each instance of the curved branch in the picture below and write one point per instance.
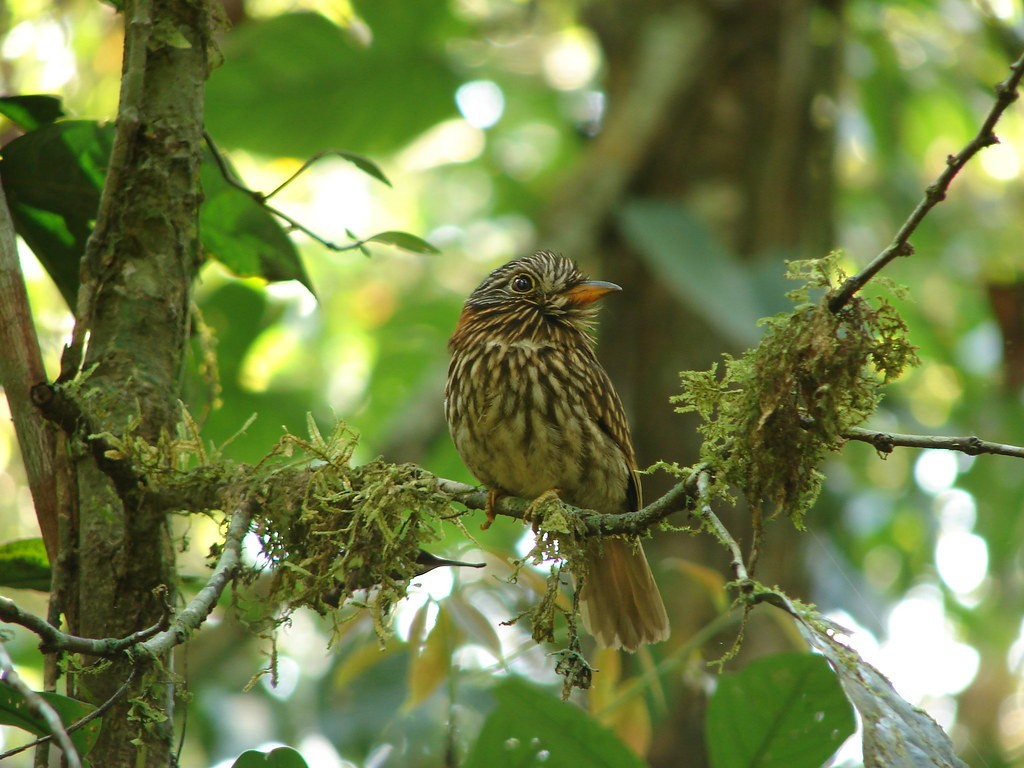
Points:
(202, 605)
(679, 497)
(54, 640)
(1006, 94)
(885, 442)
(160, 638)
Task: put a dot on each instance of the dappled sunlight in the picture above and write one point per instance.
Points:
(273, 354)
(962, 561)
(42, 45)
(453, 141)
(1001, 162)
(481, 102)
(935, 471)
(572, 59)
(921, 654)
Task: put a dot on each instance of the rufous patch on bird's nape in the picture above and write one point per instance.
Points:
(531, 410)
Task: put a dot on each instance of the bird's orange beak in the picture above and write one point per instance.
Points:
(589, 291)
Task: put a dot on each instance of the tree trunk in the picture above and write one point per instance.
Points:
(140, 264)
(725, 111)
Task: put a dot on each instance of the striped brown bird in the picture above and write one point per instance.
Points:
(531, 411)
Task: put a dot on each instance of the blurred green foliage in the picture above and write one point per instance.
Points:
(370, 347)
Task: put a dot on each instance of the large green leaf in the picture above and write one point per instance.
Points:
(782, 711)
(31, 111)
(296, 83)
(530, 727)
(680, 248)
(14, 710)
(53, 177)
(24, 565)
(281, 757)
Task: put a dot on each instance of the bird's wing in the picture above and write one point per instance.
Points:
(606, 409)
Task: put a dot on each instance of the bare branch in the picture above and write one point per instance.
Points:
(202, 605)
(720, 532)
(21, 366)
(160, 638)
(1006, 94)
(54, 640)
(884, 442)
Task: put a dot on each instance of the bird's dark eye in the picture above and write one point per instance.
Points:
(521, 284)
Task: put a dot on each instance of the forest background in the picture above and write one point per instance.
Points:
(684, 151)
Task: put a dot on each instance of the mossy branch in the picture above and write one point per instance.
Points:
(771, 415)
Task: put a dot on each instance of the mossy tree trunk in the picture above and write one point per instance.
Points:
(140, 267)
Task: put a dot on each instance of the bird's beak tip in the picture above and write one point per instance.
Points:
(590, 291)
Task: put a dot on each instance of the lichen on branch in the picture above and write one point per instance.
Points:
(771, 415)
(335, 531)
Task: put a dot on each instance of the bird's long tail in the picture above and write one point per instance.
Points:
(621, 604)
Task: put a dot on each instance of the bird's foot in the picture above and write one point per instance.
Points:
(534, 514)
(492, 500)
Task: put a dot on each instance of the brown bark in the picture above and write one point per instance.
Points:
(743, 139)
(138, 269)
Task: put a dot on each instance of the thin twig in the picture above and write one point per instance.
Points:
(54, 640)
(1006, 94)
(884, 442)
(718, 529)
(158, 639)
(39, 706)
(350, 157)
(261, 199)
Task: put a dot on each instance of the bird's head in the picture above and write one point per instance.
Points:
(540, 292)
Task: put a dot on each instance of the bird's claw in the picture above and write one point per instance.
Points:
(534, 514)
(492, 501)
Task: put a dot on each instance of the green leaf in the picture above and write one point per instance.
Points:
(364, 164)
(680, 248)
(30, 112)
(24, 565)
(52, 177)
(896, 733)
(241, 234)
(530, 727)
(372, 98)
(14, 710)
(281, 757)
(781, 711)
(403, 240)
